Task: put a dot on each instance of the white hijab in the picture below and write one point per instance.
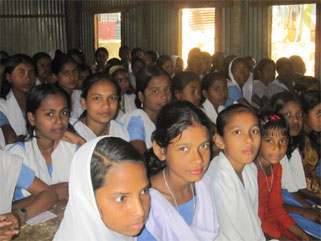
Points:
(236, 204)
(247, 87)
(82, 220)
(10, 166)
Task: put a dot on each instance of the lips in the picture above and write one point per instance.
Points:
(137, 226)
(196, 172)
(248, 151)
(59, 130)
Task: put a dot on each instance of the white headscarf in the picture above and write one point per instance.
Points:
(247, 88)
(82, 220)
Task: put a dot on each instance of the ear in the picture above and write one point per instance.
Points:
(160, 152)
(178, 95)
(8, 77)
(141, 96)
(83, 103)
(31, 118)
(204, 93)
(219, 141)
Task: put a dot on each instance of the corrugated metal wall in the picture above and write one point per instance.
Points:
(30, 26)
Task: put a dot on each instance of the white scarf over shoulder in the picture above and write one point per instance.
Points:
(247, 88)
(210, 110)
(116, 129)
(32, 157)
(236, 204)
(10, 166)
(82, 221)
(148, 124)
(293, 177)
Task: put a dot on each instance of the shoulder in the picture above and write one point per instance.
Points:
(15, 147)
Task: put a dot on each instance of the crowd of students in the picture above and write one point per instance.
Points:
(143, 148)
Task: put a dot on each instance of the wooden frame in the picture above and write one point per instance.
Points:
(267, 3)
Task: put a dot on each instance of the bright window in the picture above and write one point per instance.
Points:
(293, 33)
(198, 30)
(108, 32)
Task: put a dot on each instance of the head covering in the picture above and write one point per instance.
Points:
(82, 220)
(247, 87)
(115, 68)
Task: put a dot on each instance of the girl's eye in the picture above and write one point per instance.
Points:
(268, 140)
(183, 149)
(237, 132)
(284, 141)
(287, 114)
(168, 90)
(300, 114)
(145, 191)
(96, 98)
(32, 73)
(113, 98)
(205, 146)
(256, 131)
(156, 91)
(21, 73)
(120, 199)
(65, 113)
(50, 114)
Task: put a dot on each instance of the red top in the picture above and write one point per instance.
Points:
(275, 220)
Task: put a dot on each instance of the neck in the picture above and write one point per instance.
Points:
(98, 128)
(69, 91)
(175, 185)
(263, 165)
(21, 98)
(307, 129)
(45, 145)
(151, 114)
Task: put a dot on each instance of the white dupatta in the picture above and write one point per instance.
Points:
(165, 223)
(236, 204)
(210, 110)
(82, 221)
(10, 166)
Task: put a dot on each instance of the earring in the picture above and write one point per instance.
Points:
(142, 105)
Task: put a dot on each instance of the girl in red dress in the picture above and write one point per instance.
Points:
(275, 221)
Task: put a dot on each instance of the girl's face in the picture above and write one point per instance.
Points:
(241, 140)
(168, 66)
(123, 81)
(101, 102)
(285, 72)
(188, 154)
(68, 77)
(179, 65)
(82, 76)
(157, 94)
(273, 147)
(191, 93)
(217, 93)
(268, 73)
(313, 118)
(138, 66)
(293, 113)
(101, 57)
(241, 73)
(196, 67)
(148, 60)
(44, 68)
(51, 118)
(22, 78)
(123, 201)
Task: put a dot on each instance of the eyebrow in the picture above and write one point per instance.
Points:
(182, 144)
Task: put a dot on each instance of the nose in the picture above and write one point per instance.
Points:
(105, 104)
(248, 138)
(59, 119)
(138, 207)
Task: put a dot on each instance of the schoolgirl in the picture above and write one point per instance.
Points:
(43, 151)
(137, 64)
(182, 206)
(100, 100)
(109, 193)
(178, 63)
(187, 86)
(101, 57)
(19, 79)
(165, 62)
(234, 176)
(276, 223)
(119, 75)
(42, 62)
(215, 92)
(153, 91)
(240, 85)
(66, 72)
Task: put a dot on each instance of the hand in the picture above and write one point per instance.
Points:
(8, 226)
(73, 138)
(62, 190)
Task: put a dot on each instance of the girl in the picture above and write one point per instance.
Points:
(293, 180)
(178, 63)
(66, 72)
(43, 197)
(153, 91)
(165, 62)
(186, 86)
(110, 199)
(266, 68)
(120, 76)
(234, 176)
(240, 84)
(43, 151)
(310, 150)
(42, 62)
(195, 64)
(182, 207)
(19, 79)
(214, 90)
(100, 101)
(137, 64)
(101, 56)
(84, 72)
(275, 221)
